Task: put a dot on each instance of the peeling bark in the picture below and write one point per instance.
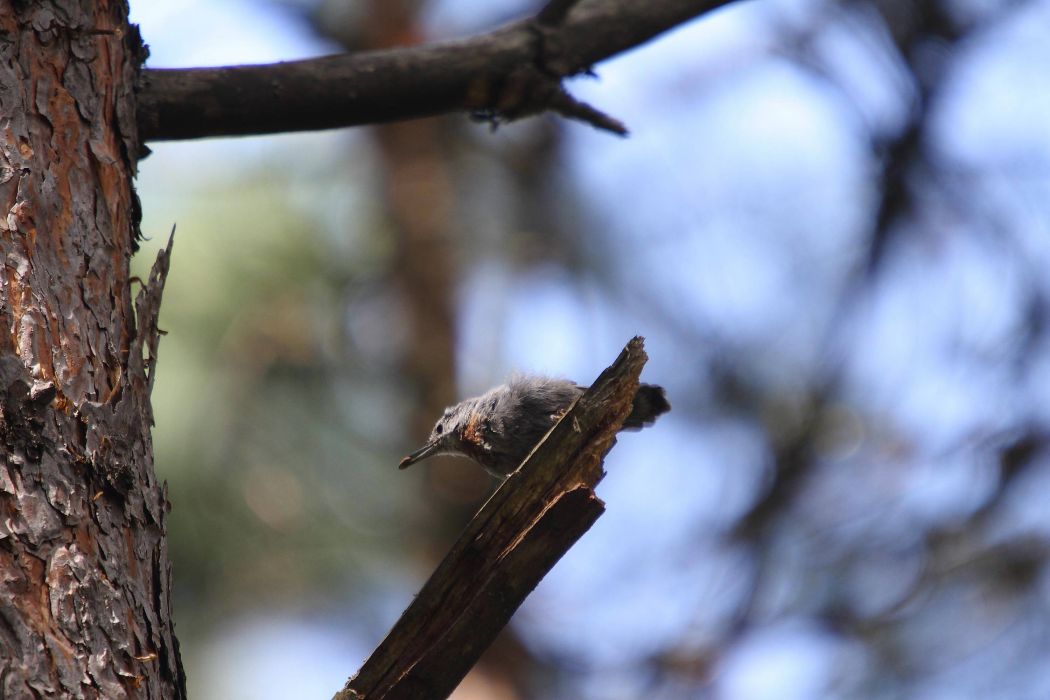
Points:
(84, 573)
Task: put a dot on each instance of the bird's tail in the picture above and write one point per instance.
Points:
(649, 402)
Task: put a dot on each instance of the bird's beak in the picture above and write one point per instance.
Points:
(420, 454)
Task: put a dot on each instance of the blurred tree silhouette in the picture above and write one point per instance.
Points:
(831, 224)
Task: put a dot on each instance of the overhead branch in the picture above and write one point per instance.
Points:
(515, 539)
(511, 72)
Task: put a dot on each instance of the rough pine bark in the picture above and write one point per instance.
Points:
(84, 573)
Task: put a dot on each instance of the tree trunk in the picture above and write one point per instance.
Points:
(84, 574)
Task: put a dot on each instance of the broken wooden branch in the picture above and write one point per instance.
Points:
(534, 517)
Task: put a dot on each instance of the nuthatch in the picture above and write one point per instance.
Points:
(498, 429)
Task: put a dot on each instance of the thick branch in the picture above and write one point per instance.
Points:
(508, 73)
(521, 532)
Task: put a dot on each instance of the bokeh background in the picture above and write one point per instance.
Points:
(832, 224)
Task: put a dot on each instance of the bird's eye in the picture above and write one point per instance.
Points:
(439, 429)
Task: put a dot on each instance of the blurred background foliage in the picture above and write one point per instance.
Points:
(831, 223)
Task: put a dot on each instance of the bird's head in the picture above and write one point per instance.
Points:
(447, 436)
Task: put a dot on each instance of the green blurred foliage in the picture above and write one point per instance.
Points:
(276, 498)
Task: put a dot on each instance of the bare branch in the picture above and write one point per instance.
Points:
(480, 74)
(515, 539)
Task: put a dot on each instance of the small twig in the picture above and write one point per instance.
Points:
(568, 106)
(552, 63)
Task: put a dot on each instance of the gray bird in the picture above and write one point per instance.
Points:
(499, 428)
